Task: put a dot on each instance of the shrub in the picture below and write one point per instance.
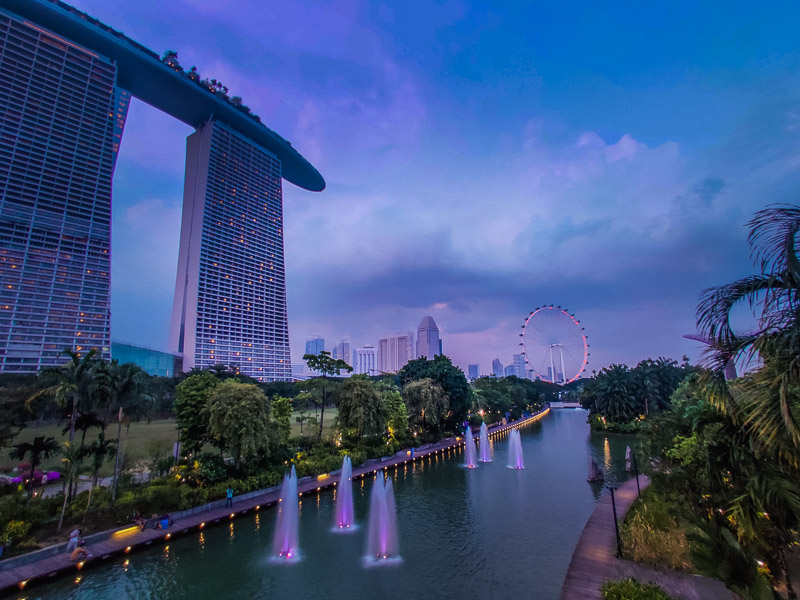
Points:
(162, 497)
(630, 589)
(652, 535)
(190, 497)
(16, 530)
(211, 468)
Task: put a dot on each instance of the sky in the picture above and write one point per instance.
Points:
(482, 159)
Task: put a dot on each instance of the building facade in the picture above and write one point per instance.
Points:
(365, 360)
(230, 289)
(428, 342)
(315, 346)
(394, 352)
(61, 118)
(497, 368)
(153, 362)
(520, 368)
(473, 372)
(341, 351)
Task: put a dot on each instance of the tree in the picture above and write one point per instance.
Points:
(427, 405)
(614, 394)
(98, 451)
(191, 399)
(449, 377)
(324, 364)
(282, 415)
(126, 383)
(13, 411)
(41, 447)
(397, 422)
(768, 401)
(84, 423)
(361, 407)
(238, 418)
(71, 382)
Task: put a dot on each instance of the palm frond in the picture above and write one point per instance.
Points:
(773, 236)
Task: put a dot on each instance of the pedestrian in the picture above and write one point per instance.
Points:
(229, 497)
(74, 538)
(80, 552)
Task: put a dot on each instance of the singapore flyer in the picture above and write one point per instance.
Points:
(554, 345)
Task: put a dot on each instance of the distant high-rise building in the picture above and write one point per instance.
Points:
(394, 352)
(473, 371)
(497, 368)
(520, 368)
(509, 370)
(365, 360)
(341, 351)
(315, 345)
(428, 342)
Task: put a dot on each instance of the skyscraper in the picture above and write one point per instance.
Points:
(230, 291)
(509, 370)
(315, 345)
(497, 368)
(520, 368)
(394, 352)
(341, 351)
(61, 116)
(67, 82)
(428, 342)
(365, 360)
(473, 372)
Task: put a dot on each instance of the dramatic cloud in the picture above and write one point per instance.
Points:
(479, 163)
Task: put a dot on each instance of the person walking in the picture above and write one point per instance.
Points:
(74, 537)
(229, 497)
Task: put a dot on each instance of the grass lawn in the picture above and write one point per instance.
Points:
(140, 436)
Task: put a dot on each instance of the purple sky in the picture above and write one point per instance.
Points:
(481, 160)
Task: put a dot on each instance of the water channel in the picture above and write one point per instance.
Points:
(488, 532)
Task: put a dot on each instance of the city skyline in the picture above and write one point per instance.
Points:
(543, 172)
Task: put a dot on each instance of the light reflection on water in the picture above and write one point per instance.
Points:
(478, 533)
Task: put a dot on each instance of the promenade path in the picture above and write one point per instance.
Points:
(41, 565)
(594, 560)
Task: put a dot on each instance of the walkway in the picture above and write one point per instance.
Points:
(53, 561)
(594, 562)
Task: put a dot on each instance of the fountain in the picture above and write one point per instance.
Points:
(515, 451)
(284, 545)
(486, 451)
(382, 536)
(469, 449)
(344, 499)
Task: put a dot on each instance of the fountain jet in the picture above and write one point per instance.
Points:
(515, 451)
(486, 451)
(382, 535)
(284, 545)
(469, 445)
(344, 499)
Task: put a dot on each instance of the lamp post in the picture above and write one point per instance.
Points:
(616, 525)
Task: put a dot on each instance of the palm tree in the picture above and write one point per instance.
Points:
(71, 467)
(99, 451)
(766, 400)
(615, 393)
(127, 381)
(72, 381)
(41, 447)
(84, 422)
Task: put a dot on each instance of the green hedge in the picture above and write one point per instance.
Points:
(630, 589)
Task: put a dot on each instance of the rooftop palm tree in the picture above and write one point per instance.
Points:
(41, 447)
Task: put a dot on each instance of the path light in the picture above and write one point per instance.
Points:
(202, 525)
(22, 584)
(258, 506)
(128, 549)
(80, 564)
(169, 535)
(232, 515)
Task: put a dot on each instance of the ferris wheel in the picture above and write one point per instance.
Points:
(554, 344)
